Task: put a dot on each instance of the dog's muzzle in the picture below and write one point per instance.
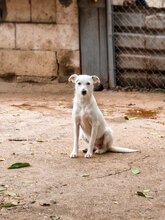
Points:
(83, 92)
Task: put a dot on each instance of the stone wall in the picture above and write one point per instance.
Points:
(151, 3)
(139, 47)
(39, 41)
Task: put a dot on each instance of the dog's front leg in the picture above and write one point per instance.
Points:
(76, 139)
(92, 141)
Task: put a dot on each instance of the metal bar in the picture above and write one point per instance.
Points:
(111, 54)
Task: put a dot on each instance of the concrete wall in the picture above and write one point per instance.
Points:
(39, 41)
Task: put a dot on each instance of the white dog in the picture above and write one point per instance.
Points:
(88, 117)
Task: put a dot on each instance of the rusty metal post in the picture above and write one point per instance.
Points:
(111, 54)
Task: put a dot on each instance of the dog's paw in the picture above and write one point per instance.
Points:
(88, 155)
(73, 155)
(100, 151)
(85, 150)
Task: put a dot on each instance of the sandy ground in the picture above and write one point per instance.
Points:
(38, 129)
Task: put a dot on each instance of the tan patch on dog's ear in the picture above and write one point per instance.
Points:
(73, 78)
(95, 79)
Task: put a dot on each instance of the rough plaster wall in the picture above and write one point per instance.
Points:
(39, 40)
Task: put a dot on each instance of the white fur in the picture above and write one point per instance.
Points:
(88, 117)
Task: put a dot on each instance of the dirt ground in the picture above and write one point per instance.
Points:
(38, 129)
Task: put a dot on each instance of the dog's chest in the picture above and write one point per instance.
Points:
(85, 120)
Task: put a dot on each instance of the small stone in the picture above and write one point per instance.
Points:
(44, 204)
(53, 202)
(32, 202)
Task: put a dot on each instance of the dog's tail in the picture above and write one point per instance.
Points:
(121, 150)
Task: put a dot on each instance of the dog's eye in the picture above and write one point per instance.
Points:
(79, 83)
(88, 83)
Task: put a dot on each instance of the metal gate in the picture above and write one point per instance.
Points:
(96, 47)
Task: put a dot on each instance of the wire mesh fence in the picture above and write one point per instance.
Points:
(139, 38)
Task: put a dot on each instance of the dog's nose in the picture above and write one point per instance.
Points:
(83, 92)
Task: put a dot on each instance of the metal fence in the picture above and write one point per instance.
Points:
(139, 38)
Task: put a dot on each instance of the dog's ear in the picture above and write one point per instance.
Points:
(73, 78)
(96, 79)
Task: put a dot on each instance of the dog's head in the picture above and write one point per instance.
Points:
(84, 84)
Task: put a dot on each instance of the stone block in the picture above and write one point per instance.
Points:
(66, 13)
(143, 80)
(7, 35)
(141, 62)
(155, 42)
(129, 19)
(117, 2)
(67, 17)
(43, 11)
(28, 63)
(69, 63)
(134, 79)
(127, 61)
(151, 3)
(47, 37)
(18, 10)
(68, 4)
(156, 3)
(130, 40)
(156, 21)
(37, 79)
(140, 41)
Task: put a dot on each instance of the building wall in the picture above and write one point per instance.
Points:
(39, 41)
(139, 47)
(151, 3)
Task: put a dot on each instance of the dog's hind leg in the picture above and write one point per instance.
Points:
(107, 143)
(101, 150)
